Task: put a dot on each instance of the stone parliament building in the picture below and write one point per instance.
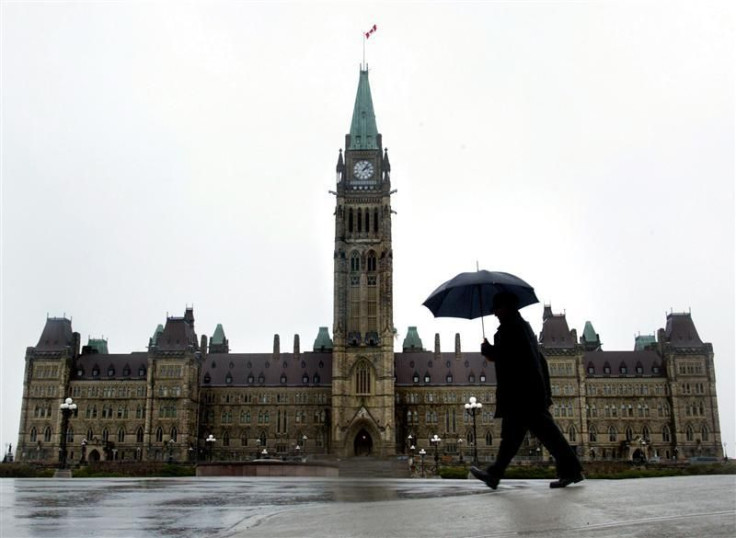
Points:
(351, 394)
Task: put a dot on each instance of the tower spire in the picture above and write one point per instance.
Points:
(363, 129)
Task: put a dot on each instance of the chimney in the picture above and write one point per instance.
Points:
(436, 346)
(296, 346)
(458, 351)
(276, 346)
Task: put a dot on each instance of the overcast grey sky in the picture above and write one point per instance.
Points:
(159, 155)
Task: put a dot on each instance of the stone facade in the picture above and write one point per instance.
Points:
(185, 399)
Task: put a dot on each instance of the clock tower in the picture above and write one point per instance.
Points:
(363, 357)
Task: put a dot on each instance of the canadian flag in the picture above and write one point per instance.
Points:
(369, 32)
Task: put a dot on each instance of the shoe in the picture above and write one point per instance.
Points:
(566, 481)
(490, 480)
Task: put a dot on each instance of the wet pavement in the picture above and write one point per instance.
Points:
(271, 507)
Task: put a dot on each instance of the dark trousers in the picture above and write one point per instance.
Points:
(542, 425)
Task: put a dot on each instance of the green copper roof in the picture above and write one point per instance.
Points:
(589, 334)
(643, 341)
(323, 340)
(159, 330)
(412, 340)
(99, 344)
(363, 130)
(219, 336)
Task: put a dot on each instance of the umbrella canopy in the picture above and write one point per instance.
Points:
(470, 295)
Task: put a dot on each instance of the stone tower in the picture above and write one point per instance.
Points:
(363, 358)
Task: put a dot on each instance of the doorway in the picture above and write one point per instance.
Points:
(363, 443)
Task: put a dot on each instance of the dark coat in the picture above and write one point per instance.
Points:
(522, 375)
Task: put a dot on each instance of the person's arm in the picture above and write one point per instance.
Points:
(487, 350)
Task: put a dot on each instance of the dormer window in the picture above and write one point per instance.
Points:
(207, 377)
(606, 368)
(482, 378)
(415, 378)
(126, 371)
(448, 378)
(111, 371)
(471, 378)
(229, 378)
(283, 379)
(305, 379)
(80, 372)
(427, 379)
(316, 379)
(142, 371)
(250, 379)
(261, 379)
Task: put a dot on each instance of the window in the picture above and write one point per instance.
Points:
(363, 378)
(371, 262)
(427, 379)
(139, 435)
(110, 371)
(121, 435)
(572, 434)
(606, 368)
(354, 261)
(489, 439)
(283, 379)
(159, 435)
(448, 378)
(415, 378)
(593, 435)
(690, 433)
(666, 437)
(482, 378)
(612, 435)
(34, 435)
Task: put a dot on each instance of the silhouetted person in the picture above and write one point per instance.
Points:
(523, 396)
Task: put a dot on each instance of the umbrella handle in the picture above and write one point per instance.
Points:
(480, 300)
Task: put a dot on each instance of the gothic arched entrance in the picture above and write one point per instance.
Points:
(94, 456)
(639, 457)
(363, 443)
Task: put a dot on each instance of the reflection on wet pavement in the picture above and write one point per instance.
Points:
(184, 507)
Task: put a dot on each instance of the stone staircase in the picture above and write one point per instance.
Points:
(370, 467)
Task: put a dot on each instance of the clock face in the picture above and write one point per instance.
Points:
(363, 170)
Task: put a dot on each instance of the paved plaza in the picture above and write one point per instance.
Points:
(268, 507)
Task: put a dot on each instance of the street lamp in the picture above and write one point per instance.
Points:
(84, 452)
(460, 448)
(304, 445)
(435, 440)
(209, 443)
(67, 408)
(422, 453)
(473, 406)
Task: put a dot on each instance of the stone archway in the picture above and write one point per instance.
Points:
(94, 455)
(363, 443)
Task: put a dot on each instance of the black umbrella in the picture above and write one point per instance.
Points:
(470, 295)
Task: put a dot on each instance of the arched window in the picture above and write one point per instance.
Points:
(666, 437)
(489, 439)
(593, 434)
(354, 262)
(121, 435)
(139, 435)
(375, 220)
(174, 434)
(572, 434)
(105, 435)
(262, 439)
(612, 435)
(371, 261)
(363, 378)
(704, 433)
(360, 220)
(159, 435)
(645, 434)
(629, 434)
(244, 438)
(34, 435)
(47, 434)
(470, 438)
(350, 220)
(226, 438)
(690, 434)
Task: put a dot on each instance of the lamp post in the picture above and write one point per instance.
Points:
(264, 454)
(422, 453)
(435, 440)
(460, 448)
(304, 445)
(210, 443)
(472, 407)
(84, 452)
(67, 408)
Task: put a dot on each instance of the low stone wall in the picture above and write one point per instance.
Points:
(272, 468)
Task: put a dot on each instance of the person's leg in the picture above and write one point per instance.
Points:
(513, 430)
(544, 428)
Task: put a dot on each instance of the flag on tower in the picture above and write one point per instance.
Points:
(369, 32)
